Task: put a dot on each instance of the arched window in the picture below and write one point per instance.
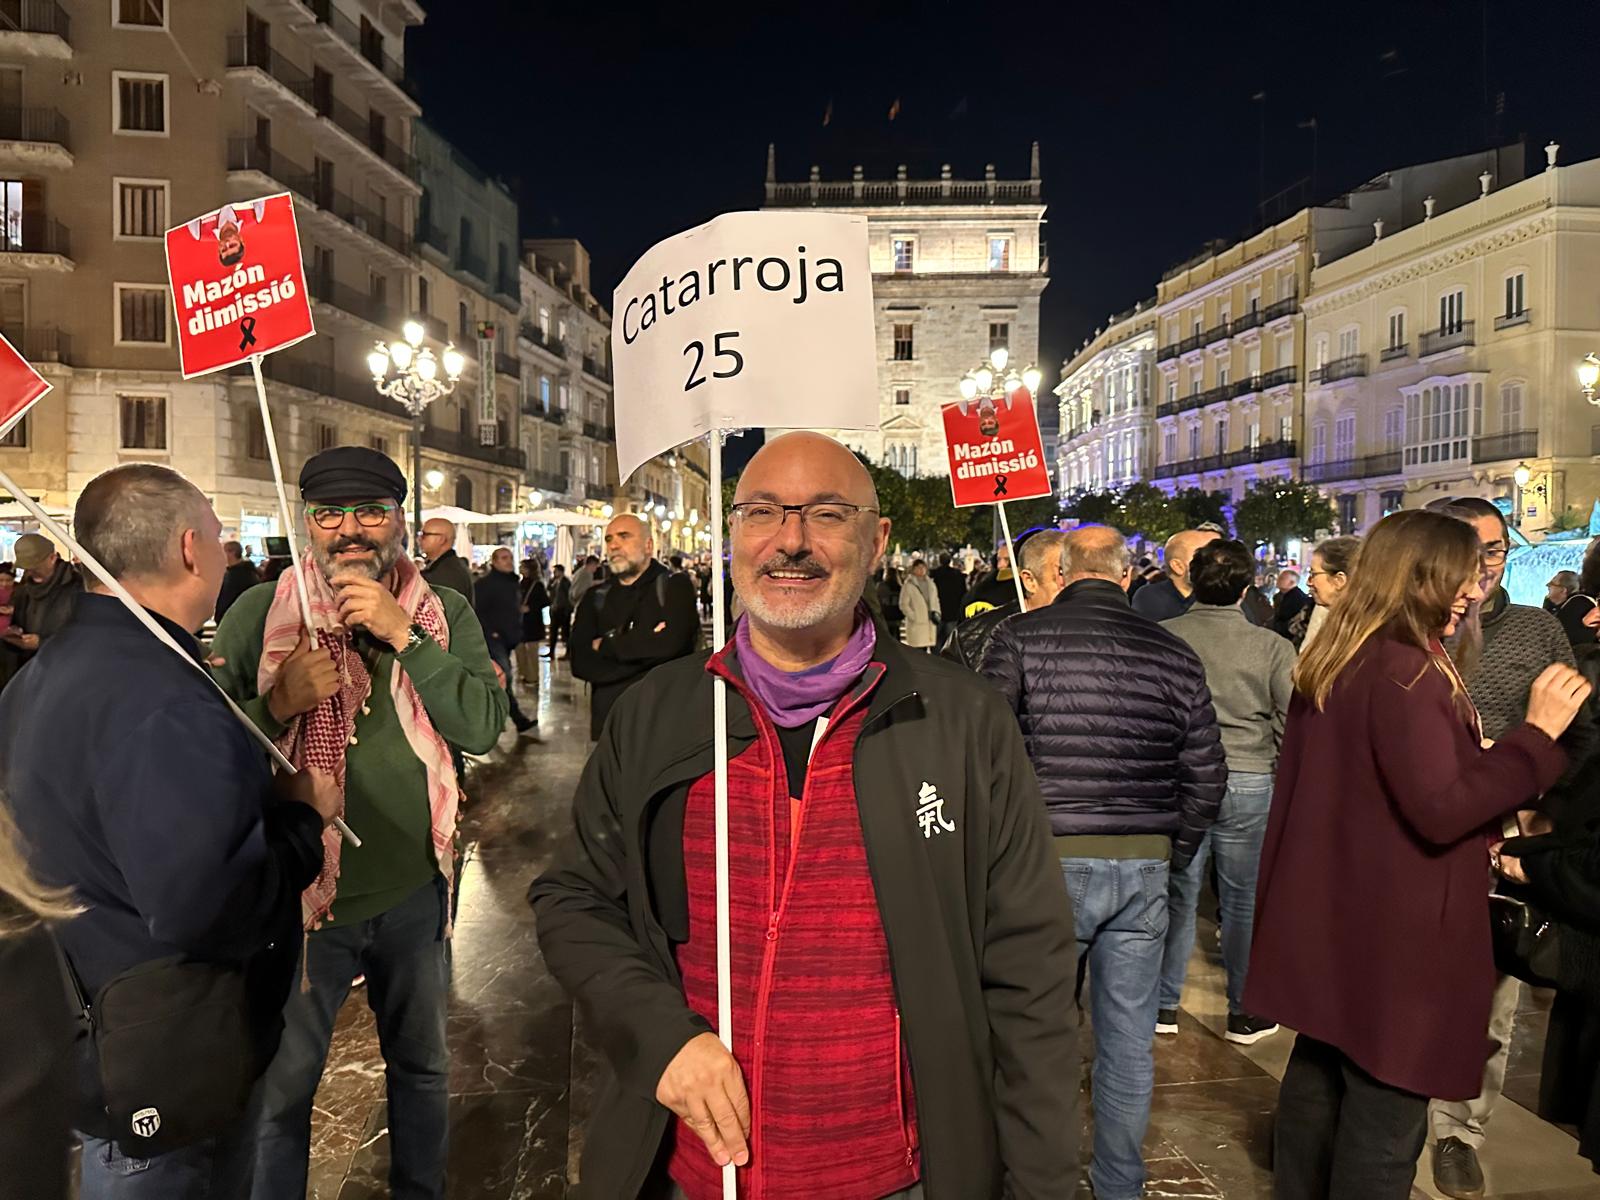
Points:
(463, 492)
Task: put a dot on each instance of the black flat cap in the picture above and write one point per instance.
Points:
(351, 473)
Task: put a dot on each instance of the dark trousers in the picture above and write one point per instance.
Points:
(501, 657)
(560, 628)
(1342, 1135)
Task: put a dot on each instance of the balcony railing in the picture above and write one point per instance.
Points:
(1390, 353)
(455, 441)
(553, 416)
(1369, 467)
(1195, 341)
(597, 491)
(599, 370)
(1166, 352)
(1217, 333)
(472, 264)
(1281, 308)
(362, 130)
(593, 429)
(1253, 319)
(1502, 447)
(1266, 452)
(1213, 395)
(41, 343)
(246, 154)
(253, 52)
(1351, 366)
(1437, 341)
(429, 234)
(35, 125)
(362, 304)
(35, 16)
(548, 481)
(38, 237)
(1517, 318)
(1272, 451)
(508, 283)
(508, 364)
(350, 33)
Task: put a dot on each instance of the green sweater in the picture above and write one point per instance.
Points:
(385, 784)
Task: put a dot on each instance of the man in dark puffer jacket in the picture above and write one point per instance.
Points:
(1119, 726)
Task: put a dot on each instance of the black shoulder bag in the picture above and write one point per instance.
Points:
(177, 1052)
(1526, 940)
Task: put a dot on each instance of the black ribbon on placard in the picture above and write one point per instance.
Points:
(247, 327)
(999, 485)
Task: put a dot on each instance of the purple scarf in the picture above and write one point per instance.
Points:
(793, 698)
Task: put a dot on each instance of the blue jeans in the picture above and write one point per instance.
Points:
(1236, 841)
(215, 1169)
(1120, 906)
(402, 953)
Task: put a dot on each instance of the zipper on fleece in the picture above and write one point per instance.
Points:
(900, 1092)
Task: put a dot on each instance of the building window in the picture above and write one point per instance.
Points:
(1172, 390)
(1222, 436)
(325, 436)
(1349, 342)
(544, 321)
(1252, 435)
(379, 443)
(999, 335)
(16, 438)
(1515, 285)
(1452, 311)
(1344, 437)
(1169, 445)
(139, 14)
(1222, 374)
(139, 103)
(1194, 380)
(902, 396)
(141, 314)
(463, 320)
(904, 253)
(144, 422)
(255, 436)
(1394, 429)
(422, 296)
(1319, 442)
(1438, 425)
(1253, 298)
(902, 343)
(1347, 512)
(565, 395)
(1194, 440)
(999, 252)
(1397, 330)
(141, 209)
(1252, 362)
(561, 329)
(544, 392)
(1392, 502)
(1285, 428)
(1319, 357)
(1511, 408)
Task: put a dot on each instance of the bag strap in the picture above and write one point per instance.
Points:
(70, 978)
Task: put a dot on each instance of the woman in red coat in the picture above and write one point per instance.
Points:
(1372, 916)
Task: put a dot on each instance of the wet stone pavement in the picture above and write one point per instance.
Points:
(520, 1090)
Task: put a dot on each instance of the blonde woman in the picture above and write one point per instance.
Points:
(36, 1036)
(1372, 922)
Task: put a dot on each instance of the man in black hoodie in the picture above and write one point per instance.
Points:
(642, 615)
(238, 579)
(497, 599)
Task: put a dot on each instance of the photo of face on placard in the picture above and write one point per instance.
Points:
(238, 286)
(987, 410)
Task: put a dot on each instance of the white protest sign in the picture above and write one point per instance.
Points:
(755, 319)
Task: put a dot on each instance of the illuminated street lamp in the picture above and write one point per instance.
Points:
(988, 384)
(1589, 376)
(415, 383)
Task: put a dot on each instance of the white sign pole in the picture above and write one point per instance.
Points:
(1011, 553)
(150, 623)
(283, 501)
(719, 735)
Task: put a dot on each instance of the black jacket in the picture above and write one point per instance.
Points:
(139, 789)
(624, 617)
(969, 641)
(1116, 716)
(450, 570)
(36, 1066)
(1160, 600)
(45, 608)
(1286, 606)
(979, 926)
(236, 581)
(497, 599)
(951, 585)
(535, 599)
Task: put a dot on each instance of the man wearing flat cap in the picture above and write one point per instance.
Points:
(398, 675)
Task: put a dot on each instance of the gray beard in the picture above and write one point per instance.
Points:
(388, 554)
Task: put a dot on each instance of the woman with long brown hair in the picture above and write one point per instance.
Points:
(36, 1036)
(1372, 920)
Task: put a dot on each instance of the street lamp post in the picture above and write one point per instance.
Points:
(415, 383)
(1520, 477)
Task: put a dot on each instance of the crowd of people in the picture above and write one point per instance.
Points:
(963, 808)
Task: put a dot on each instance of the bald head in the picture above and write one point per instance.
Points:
(437, 536)
(629, 547)
(1095, 552)
(820, 465)
(1180, 549)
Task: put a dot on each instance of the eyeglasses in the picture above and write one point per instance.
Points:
(1494, 555)
(761, 516)
(331, 516)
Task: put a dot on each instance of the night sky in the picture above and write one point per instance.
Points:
(623, 123)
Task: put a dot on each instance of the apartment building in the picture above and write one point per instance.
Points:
(958, 266)
(1106, 401)
(1443, 348)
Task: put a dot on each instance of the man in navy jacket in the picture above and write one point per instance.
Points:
(134, 786)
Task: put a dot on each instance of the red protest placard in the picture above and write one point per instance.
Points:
(996, 452)
(21, 387)
(238, 284)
